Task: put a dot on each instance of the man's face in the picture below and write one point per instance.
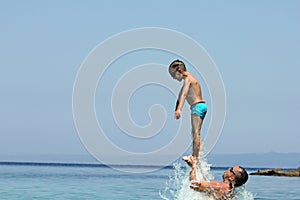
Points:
(231, 173)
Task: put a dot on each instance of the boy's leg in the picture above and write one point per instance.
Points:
(196, 127)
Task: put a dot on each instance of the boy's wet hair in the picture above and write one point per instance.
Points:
(176, 64)
(241, 177)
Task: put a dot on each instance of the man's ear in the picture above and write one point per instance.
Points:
(179, 70)
(232, 178)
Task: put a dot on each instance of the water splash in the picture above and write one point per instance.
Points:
(243, 194)
(178, 184)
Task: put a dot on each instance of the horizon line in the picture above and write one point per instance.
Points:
(73, 164)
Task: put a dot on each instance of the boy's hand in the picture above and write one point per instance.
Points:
(177, 114)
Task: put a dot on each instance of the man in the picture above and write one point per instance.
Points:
(190, 91)
(233, 177)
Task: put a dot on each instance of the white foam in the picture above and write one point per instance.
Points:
(178, 185)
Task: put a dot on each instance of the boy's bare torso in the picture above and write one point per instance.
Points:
(194, 93)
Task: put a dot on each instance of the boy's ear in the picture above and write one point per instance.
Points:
(179, 70)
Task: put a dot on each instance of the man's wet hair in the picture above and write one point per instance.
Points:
(241, 177)
(176, 64)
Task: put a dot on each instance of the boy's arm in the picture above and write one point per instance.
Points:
(182, 96)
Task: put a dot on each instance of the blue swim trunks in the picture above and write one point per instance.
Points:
(199, 109)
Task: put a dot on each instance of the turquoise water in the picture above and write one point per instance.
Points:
(77, 181)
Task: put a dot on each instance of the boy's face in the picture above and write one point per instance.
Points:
(175, 74)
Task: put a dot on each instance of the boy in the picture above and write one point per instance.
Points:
(190, 91)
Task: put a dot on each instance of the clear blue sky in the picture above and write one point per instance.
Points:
(255, 45)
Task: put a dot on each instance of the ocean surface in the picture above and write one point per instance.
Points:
(94, 181)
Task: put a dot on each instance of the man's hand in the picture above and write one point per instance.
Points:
(195, 185)
(177, 114)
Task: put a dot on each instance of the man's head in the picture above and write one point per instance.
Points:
(238, 175)
(176, 68)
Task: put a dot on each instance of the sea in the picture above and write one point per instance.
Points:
(34, 180)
